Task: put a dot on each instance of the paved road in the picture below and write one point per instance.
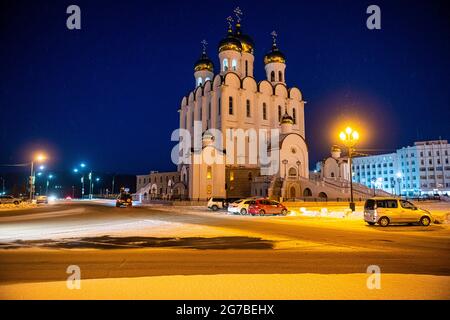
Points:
(38, 245)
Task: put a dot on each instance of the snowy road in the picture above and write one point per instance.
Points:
(107, 242)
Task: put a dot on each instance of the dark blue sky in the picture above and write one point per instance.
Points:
(109, 94)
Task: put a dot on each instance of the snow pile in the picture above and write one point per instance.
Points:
(11, 206)
(327, 213)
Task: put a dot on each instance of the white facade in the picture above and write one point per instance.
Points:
(414, 170)
(234, 99)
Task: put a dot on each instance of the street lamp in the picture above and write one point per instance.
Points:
(350, 137)
(37, 158)
(49, 177)
(76, 170)
(399, 181)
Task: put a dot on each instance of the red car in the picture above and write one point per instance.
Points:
(266, 206)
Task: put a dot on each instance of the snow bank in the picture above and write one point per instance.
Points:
(238, 287)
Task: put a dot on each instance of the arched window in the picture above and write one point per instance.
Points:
(272, 76)
(207, 79)
(225, 64)
(209, 111)
(248, 109)
(280, 76)
(209, 172)
(199, 81)
(193, 117)
(264, 111)
(230, 105)
(234, 65)
(279, 113)
(292, 172)
(246, 68)
(294, 115)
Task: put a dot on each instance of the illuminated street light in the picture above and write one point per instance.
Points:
(76, 170)
(37, 158)
(399, 182)
(49, 177)
(350, 137)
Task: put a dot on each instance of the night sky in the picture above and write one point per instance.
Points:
(109, 93)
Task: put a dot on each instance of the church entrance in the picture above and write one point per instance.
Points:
(292, 193)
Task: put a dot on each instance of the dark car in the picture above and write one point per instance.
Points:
(124, 200)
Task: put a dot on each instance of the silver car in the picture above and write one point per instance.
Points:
(10, 200)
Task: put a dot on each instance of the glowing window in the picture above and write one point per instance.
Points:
(234, 65)
(199, 81)
(225, 64)
(209, 173)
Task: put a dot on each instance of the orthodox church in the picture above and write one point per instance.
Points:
(234, 99)
(229, 97)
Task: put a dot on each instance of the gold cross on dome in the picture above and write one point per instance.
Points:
(230, 22)
(274, 36)
(204, 45)
(238, 12)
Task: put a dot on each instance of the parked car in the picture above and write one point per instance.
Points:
(386, 211)
(240, 206)
(265, 206)
(42, 199)
(9, 200)
(124, 200)
(216, 203)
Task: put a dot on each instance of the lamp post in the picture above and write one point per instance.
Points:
(49, 177)
(3, 183)
(399, 181)
(350, 137)
(81, 170)
(38, 158)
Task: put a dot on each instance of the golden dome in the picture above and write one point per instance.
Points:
(204, 63)
(287, 119)
(275, 55)
(230, 42)
(247, 43)
(335, 148)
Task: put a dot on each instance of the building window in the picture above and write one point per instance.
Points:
(279, 113)
(219, 106)
(207, 79)
(246, 68)
(209, 172)
(209, 111)
(199, 81)
(225, 64)
(280, 76)
(264, 111)
(231, 175)
(234, 65)
(272, 76)
(294, 115)
(193, 117)
(230, 105)
(248, 109)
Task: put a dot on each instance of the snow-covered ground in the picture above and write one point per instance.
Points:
(238, 287)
